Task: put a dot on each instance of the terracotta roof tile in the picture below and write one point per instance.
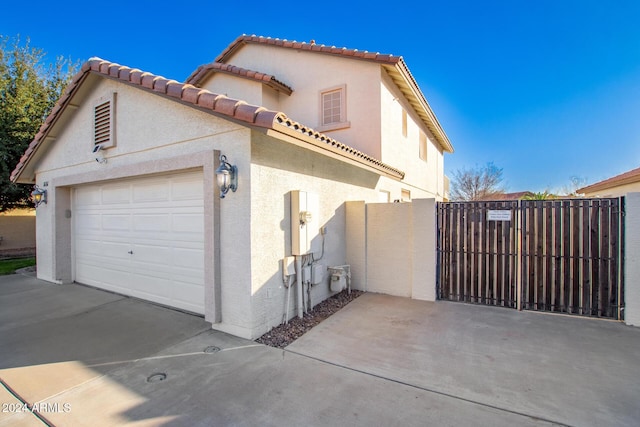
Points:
(191, 94)
(187, 93)
(244, 39)
(628, 177)
(215, 67)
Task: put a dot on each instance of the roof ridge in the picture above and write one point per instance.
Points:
(311, 46)
(217, 103)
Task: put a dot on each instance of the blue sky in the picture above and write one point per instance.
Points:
(546, 90)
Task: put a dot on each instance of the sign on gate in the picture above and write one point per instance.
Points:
(501, 215)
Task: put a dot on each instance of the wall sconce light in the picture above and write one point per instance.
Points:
(227, 176)
(38, 196)
(97, 150)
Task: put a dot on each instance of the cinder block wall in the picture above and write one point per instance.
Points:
(17, 232)
(632, 259)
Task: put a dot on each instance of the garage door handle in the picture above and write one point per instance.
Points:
(130, 252)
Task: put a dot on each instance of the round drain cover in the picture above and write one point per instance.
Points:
(157, 377)
(212, 349)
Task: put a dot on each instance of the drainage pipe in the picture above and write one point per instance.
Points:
(299, 285)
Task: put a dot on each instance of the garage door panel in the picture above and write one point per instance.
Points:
(118, 222)
(152, 254)
(188, 258)
(115, 194)
(152, 191)
(181, 189)
(187, 223)
(115, 250)
(86, 247)
(89, 273)
(86, 222)
(87, 196)
(184, 292)
(160, 220)
(157, 223)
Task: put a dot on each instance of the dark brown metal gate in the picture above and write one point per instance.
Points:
(477, 258)
(560, 256)
(572, 256)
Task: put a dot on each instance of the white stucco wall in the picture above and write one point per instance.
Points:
(159, 135)
(632, 259)
(423, 178)
(279, 168)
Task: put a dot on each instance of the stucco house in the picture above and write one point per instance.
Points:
(128, 162)
(616, 186)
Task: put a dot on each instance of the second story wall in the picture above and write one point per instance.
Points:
(310, 75)
(406, 141)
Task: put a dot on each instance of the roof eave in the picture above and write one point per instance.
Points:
(429, 116)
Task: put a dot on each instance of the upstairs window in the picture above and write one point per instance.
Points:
(423, 146)
(404, 123)
(333, 111)
(104, 121)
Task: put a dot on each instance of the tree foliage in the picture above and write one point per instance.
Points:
(479, 183)
(29, 88)
(542, 195)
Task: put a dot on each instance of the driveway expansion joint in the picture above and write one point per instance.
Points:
(428, 390)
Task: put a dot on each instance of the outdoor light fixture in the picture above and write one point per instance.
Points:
(38, 196)
(227, 176)
(97, 150)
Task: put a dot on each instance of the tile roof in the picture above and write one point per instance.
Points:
(312, 46)
(394, 65)
(202, 71)
(629, 177)
(211, 102)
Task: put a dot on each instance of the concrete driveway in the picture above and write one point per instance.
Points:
(565, 370)
(78, 356)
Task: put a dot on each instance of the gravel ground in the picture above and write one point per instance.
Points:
(283, 335)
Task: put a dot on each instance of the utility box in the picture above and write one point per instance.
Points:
(304, 221)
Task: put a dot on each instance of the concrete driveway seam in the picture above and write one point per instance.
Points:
(426, 389)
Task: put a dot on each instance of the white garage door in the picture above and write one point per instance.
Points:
(143, 237)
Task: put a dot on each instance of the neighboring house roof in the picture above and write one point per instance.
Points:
(273, 122)
(205, 70)
(394, 65)
(629, 177)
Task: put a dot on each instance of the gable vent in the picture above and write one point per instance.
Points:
(103, 122)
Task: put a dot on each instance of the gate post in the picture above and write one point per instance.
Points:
(632, 259)
(519, 256)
